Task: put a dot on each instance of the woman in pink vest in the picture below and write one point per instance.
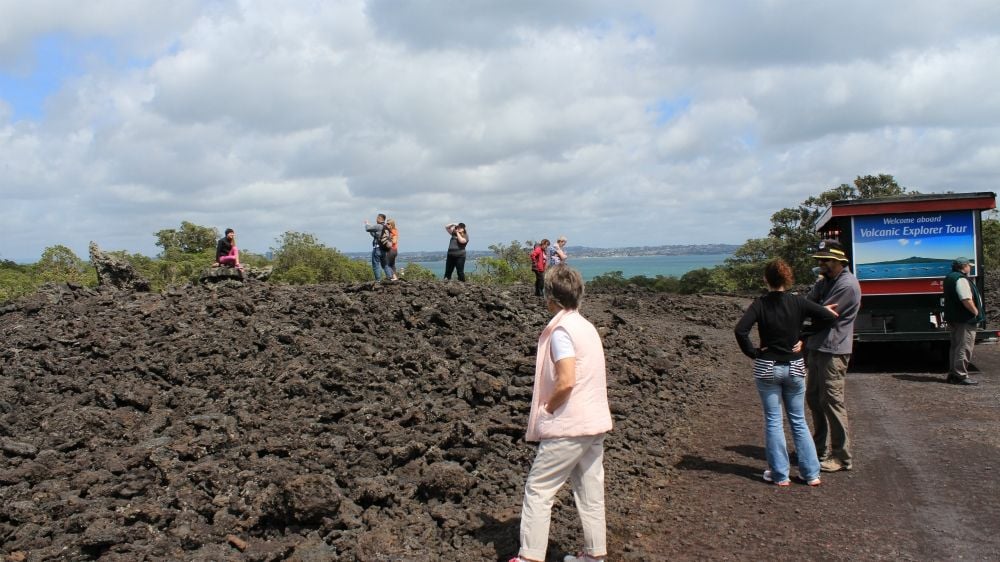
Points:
(569, 418)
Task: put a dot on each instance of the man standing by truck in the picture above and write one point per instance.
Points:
(963, 310)
(829, 351)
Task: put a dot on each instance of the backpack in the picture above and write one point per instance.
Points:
(385, 238)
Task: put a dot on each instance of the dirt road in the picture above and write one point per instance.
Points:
(925, 484)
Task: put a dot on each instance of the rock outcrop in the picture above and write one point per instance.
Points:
(233, 276)
(113, 272)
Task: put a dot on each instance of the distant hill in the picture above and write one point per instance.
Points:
(911, 259)
(672, 250)
(587, 252)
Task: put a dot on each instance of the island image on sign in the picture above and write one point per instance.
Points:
(912, 246)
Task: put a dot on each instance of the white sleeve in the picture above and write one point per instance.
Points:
(561, 345)
(963, 289)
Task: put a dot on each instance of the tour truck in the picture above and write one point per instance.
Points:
(901, 248)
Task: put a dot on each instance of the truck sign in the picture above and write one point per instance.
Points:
(901, 248)
(912, 245)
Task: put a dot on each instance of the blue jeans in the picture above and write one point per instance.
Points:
(378, 262)
(790, 391)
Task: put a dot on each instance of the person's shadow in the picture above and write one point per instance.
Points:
(700, 463)
(757, 452)
(920, 378)
(502, 533)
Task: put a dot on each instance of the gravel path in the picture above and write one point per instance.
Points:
(925, 484)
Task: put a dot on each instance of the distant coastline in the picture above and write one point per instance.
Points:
(628, 266)
(586, 252)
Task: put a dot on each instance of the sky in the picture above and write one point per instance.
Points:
(614, 123)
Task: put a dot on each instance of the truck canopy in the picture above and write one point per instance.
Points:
(980, 201)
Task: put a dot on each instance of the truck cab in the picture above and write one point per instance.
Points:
(900, 249)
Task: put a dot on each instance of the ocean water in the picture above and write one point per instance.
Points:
(904, 271)
(630, 266)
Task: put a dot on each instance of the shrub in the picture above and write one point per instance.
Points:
(300, 258)
(416, 272)
(510, 264)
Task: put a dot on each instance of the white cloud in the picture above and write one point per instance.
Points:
(141, 28)
(685, 121)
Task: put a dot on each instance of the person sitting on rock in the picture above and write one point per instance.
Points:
(226, 252)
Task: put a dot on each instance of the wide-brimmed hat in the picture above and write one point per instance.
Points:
(831, 250)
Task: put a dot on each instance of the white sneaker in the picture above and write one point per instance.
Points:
(768, 478)
(581, 557)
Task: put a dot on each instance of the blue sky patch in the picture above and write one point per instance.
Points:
(749, 139)
(667, 109)
(26, 86)
(53, 59)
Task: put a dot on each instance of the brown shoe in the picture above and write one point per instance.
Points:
(833, 465)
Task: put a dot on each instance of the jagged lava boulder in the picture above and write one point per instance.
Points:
(267, 422)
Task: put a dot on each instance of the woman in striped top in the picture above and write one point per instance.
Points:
(779, 370)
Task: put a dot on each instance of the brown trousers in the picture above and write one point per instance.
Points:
(825, 397)
(963, 340)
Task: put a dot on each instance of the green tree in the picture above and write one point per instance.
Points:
(991, 240)
(746, 265)
(882, 185)
(793, 230)
(300, 258)
(188, 239)
(509, 264)
(707, 280)
(719, 280)
(616, 279)
(696, 281)
(609, 280)
(15, 280)
(59, 264)
(666, 284)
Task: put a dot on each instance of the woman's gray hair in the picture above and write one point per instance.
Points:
(564, 285)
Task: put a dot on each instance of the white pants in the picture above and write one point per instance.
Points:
(580, 460)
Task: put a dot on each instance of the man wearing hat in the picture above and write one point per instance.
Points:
(963, 310)
(829, 351)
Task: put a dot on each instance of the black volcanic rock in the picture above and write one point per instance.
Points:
(366, 421)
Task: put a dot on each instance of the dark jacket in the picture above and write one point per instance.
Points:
(954, 310)
(222, 248)
(779, 317)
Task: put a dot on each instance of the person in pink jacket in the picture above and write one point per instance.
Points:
(569, 418)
